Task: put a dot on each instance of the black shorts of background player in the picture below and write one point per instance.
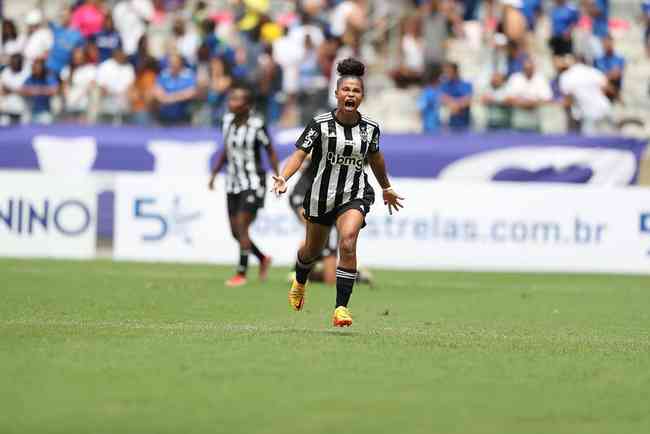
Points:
(244, 136)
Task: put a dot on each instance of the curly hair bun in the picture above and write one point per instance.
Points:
(350, 66)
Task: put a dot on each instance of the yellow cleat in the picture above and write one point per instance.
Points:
(297, 295)
(341, 317)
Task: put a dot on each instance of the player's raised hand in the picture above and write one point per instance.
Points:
(279, 185)
(211, 184)
(392, 200)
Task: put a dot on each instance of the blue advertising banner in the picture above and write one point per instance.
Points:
(505, 156)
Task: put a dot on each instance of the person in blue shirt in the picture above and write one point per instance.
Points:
(598, 10)
(107, 40)
(175, 89)
(515, 58)
(38, 89)
(429, 101)
(531, 10)
(218, 48)
(645, 8)
(66, 39)
(612, 66)
(564, 17)
(456, 97)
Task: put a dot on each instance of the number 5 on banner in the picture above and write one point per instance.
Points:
(140, 213)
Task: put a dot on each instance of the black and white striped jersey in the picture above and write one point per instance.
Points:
(243, 145)
(338, 155)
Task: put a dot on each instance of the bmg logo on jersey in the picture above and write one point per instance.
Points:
(175, 222)
(345, 160)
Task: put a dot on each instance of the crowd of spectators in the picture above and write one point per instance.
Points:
(173, 62)
(588, 70)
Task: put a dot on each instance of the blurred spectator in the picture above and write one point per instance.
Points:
(612, 66)
(456, 97)
(175, 89)
(218, 47)
(598, 10)
(38, 89)
(412, 55)
(39, 37)
(513, 22)
(88, 18)
(531, 10)
(141, 91)
(131, 18)
(494, 98)
(66, 39)
(269, 88)
(312, 87)
(645, 8)
(115, 77)
(564, 17)
(349, 16)
(107, 40)
(584, 89)
(12, 42)
(12, 78)
(185, 42)
(526, 92)
(240, 70)
(78, 81)
(219, 84)
(435, 32)
(516, 56)
(429, 101)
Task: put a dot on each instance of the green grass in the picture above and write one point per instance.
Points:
(101, 347)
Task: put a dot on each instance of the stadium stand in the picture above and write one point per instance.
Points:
(388, 35)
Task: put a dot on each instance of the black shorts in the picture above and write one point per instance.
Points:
(246, 201)
(329, 219)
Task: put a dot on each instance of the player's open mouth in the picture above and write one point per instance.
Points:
(349, 104)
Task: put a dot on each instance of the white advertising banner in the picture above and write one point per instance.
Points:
(444, 225)
(47, 216)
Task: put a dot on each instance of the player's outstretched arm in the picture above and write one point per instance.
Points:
(273, 158)
(378, 166)
(221, 160)
(293, 164)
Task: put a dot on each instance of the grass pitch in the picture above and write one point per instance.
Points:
(101, 347)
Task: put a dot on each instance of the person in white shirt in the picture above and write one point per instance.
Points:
(130, 18)
(39, 37)
(78, 79)
(585, 91)
(11, 42)
(12, 78)
(114, 78)
(526, 92)
(186, 42)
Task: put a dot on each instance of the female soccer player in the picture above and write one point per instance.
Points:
(340, 194)
(244, 135)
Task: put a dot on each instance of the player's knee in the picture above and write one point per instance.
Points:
(348, 245)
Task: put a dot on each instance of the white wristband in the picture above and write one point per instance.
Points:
(388, 189)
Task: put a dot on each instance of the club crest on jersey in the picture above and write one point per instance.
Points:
(364, 134)
(344, 160)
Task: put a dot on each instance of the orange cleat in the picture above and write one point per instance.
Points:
(236, 280)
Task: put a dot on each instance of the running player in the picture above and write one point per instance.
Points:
(340, 193)
(244, 136)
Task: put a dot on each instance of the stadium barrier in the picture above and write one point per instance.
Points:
(47, 216)
(445, 225)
